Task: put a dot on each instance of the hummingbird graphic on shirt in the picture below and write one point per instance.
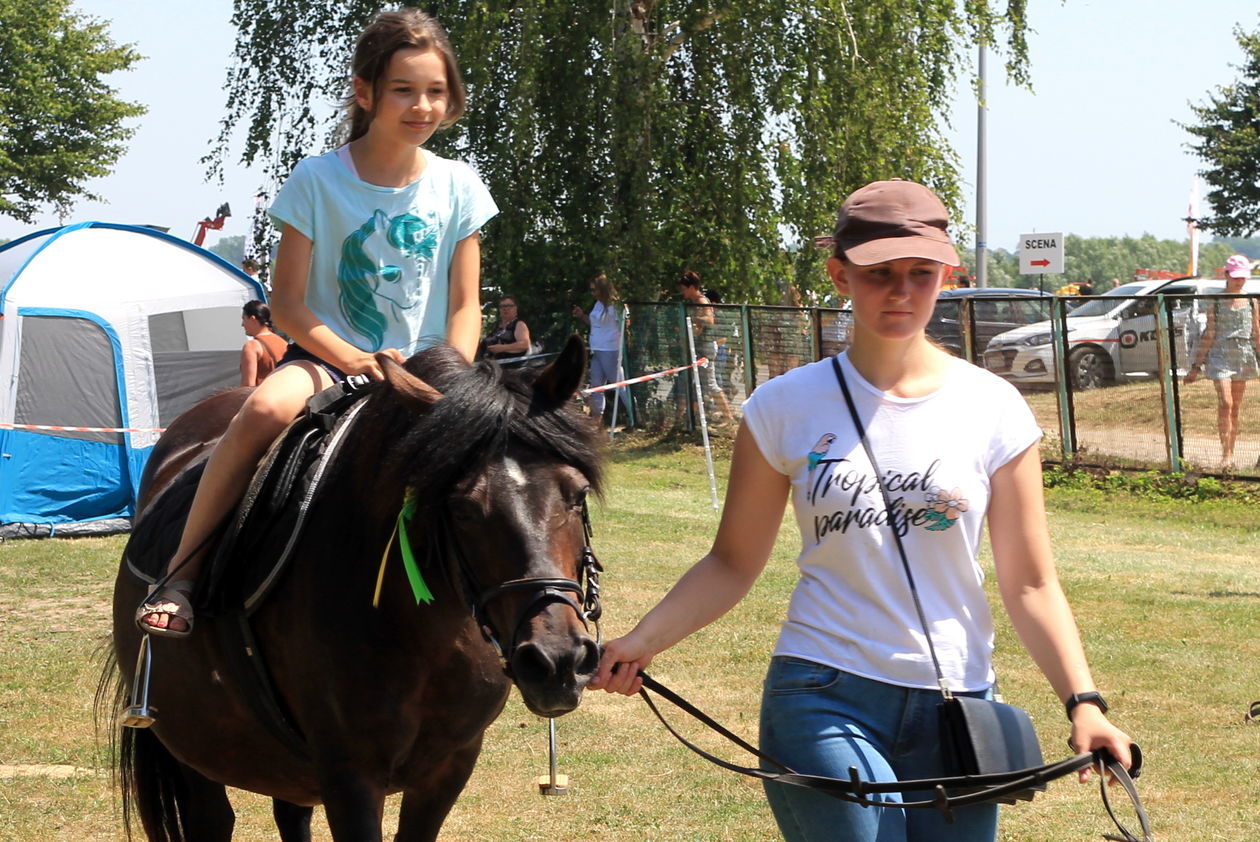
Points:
(816, 454)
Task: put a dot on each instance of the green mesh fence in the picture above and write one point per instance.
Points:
(1106, 382)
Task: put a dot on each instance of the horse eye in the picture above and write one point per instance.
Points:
(579, 499)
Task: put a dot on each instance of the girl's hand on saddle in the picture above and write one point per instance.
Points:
(366, 363)
(619, 667)
(1091, 730)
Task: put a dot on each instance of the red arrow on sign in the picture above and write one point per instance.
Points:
(1039, 263)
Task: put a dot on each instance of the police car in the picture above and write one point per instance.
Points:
(1111, 338)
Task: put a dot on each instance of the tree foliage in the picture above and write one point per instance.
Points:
(643, 137)
(1228, 135)
(60, 123)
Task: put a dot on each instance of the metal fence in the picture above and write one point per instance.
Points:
(1103, 375)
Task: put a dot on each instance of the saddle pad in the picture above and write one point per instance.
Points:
(156, 533)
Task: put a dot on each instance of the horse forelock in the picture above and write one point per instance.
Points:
(486, 413)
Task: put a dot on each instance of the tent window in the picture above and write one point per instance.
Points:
(167, 333)
(185, 377)
(67, 376)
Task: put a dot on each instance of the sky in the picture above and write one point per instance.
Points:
(1093, 149)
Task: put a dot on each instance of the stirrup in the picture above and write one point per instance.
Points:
(138, 714)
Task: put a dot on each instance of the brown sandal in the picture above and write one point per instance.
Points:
(172, 601)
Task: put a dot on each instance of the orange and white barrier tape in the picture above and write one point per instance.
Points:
(701, 362)
(65, 429)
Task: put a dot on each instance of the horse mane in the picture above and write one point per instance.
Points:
(484, 408)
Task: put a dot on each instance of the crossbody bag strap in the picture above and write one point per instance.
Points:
(901, 550)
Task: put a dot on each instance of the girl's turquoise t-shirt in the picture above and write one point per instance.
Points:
(382, 255)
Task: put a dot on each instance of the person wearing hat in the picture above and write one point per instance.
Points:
(851, 681)
(1228, 352)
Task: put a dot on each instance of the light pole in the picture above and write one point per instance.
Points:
(982, 223)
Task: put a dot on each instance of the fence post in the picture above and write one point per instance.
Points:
(966, 324)
(1168, 382)
(815, 321)
(750, 362)
(684, 326)
(1067, 414)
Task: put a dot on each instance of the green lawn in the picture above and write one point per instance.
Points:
(1166, 595)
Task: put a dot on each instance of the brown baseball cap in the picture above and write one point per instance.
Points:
(888, 220)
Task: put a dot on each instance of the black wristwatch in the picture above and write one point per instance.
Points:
(1093, 697)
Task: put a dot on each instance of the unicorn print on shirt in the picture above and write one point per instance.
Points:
(381, 270)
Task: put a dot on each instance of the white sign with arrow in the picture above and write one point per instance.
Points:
(1041, 254)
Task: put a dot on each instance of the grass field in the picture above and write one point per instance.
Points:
(1166, 594)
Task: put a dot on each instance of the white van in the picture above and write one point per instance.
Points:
(1111, 338)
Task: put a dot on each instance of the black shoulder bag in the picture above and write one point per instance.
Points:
(978, 736)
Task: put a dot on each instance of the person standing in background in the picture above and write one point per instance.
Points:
(605, 341)
(1229, 348)
(264, 348)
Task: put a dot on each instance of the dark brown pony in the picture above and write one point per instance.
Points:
(397, 697)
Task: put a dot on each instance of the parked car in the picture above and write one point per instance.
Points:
(993, 310)
(1111, 338)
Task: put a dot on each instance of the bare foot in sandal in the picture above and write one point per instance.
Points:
(167, 612)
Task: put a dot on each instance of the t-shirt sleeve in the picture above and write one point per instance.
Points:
(765, 431)
(294, 205)
(1015, 430)
(476, 206)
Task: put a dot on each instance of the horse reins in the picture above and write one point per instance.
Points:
(581, 594)
(970, 789)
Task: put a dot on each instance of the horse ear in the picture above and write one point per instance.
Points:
(411, 390)
(558, 381)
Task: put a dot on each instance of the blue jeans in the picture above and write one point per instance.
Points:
(820, 720)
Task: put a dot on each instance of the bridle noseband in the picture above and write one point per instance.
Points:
(581, 594)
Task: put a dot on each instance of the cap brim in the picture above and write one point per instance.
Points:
(896, 248)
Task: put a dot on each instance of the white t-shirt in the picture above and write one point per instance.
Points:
(852, 608)
(604, 333)
(381, 259)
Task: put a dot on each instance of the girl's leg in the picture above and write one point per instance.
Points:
(820, 720)
(265, 414)
(1224, 415)
(1237, 389)
(602, 365)
(810, 722)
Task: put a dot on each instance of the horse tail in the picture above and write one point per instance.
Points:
(145, 772)
(148, 776)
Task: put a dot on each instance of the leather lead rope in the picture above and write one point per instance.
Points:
(979, 789)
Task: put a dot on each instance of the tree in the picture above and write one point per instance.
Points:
(643, 137)
(231, 249)
(1229, 141)
(60, 124)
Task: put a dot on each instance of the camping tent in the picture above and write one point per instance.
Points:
(111, 327)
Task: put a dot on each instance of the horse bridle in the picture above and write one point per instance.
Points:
(581, 594)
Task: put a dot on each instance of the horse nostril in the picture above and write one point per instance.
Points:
(588, 663)
(531, 664)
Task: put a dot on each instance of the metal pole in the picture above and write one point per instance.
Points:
(982, 211)
(621, 344)
(553, 783)
(704, 423)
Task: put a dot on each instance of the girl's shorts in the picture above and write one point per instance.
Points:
(296, 353)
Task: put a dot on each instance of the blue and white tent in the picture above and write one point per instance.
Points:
(104, 326)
